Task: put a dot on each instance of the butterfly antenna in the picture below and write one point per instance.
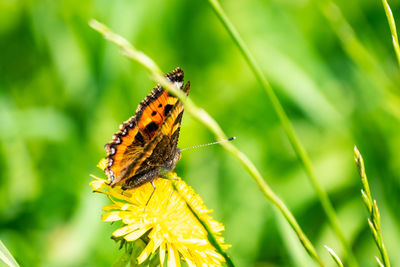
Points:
(209, 144)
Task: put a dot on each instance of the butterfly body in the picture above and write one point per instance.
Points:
(145, 147)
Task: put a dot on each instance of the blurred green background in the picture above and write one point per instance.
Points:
(64, 91)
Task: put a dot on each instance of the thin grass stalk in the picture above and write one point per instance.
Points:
(203, 117)
(287, 126)
(374, 220)
(361, 56)
(351, 44)
(334, 256)
(211, 237)
(6, 257)
(392, 26)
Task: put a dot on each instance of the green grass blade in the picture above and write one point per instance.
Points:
(374, 220)
(6, 256)
(393, 30)
(286, 124)
(334, 256)
(361, 56)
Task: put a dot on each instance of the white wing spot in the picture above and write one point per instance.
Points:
(178, 84)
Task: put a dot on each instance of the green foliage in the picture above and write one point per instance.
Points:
(64, 91)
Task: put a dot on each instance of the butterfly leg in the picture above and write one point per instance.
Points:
(152, 192)
(164, 175)
(168, 178)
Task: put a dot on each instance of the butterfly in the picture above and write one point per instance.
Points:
(145, 147)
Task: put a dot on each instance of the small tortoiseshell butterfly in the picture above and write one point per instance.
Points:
(145, 147)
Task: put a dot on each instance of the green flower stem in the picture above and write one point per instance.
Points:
(211, 237)
(295, 142)
(202, 116)
(393, 30)
(374, 220)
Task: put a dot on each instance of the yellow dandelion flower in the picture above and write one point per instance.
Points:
(167, 223)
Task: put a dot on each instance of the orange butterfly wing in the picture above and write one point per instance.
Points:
(149, 137)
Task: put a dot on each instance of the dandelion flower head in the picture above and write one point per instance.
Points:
(166, 222)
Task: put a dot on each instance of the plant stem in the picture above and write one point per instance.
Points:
(392, 26)
(287, 126)
(203, 117)
(334, 256)
(374, 220)
(6, 256)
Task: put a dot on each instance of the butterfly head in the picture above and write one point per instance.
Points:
(173, 160)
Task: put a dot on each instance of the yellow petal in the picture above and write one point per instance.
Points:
(146, 252)
(162, 253)
(129, 219)
(102, 164)
(136, 234)
(194, 241)
(97, 178)
(97, 185)
(157, 243)
(118, 194)
(125, 230)
(214, 254)
(187, 257)
(173, 257)
(126, 206)
(225, 246)
(123, 206)
(198, 260)
(111, 216)
(110, 207)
